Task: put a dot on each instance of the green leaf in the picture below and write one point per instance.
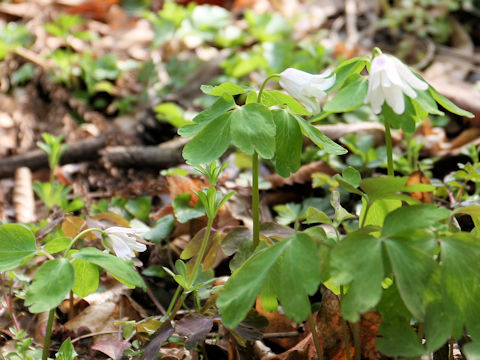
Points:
(171, 113)
(413, 217)
(320, 139)
(288, 141)
(240, 291)
(378, 187)
(472, 350)
(300, 260)
(288, 213)
(349, 97)
(222, 89)
(315, 216)
(448, 105)
(274, 97)
(378, 211)
(66, 351)
(139, 207)
(358, 260)
(427, 102)
(253, 129)
(238, 241)
(460, 256)
(405, 121)
(438, 326)
(119, 268)
(352, 176)
(397, 337)
(411, 258)
(210, 143)
(162, 228)
(347, 186)
(17, 244)
(58, 244)
(50, 285)
(183, 211)
(221, 106)
(86, 277)
(347, 68)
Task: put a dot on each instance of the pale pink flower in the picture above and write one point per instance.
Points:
(389, 79)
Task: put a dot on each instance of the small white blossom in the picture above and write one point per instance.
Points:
(306, 87)
(124, 241)
(389, 79)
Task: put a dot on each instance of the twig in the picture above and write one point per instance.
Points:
(37, 159)
(141, 156)
(155, 301)
(94, 334)
(281, 334)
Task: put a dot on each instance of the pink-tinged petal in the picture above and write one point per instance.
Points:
(408, 76)
(394, 98)
(378, 64)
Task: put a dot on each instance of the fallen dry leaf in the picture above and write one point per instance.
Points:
(419, 177)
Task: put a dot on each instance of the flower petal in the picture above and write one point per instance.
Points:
(408, 76)
(394, 98)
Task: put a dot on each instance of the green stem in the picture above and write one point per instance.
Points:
(255, 201)
(388, 143)
(174, 299)
(316, 340)
(177, 306)
(259, 96)
(365, 214)
(346, 336)
(79, 235)
(199, 258)
(356, 340)
(48, 335)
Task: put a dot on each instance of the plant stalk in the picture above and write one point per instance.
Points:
(316, 340)
(79, 235)
(48, 334)
(346, 336)
(255, 202)
(356, 340)
(388, 143)
(200, 255)
(174, 299)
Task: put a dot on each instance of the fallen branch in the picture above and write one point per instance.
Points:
(37, 159)
(141, 156)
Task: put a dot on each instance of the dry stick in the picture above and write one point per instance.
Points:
(37, 159)
(138, 156)
(155, 301)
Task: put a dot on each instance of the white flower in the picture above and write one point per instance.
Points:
(389, 79)
(123, 241)
(306, 87)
